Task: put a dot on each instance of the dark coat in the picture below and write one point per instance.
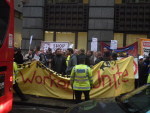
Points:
(142, 73)
(71, 63)
(87, 61)
(18, 58)
(59, 64)
(98, 60)
(81, 56)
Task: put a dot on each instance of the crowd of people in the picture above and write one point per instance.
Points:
(59, 60)
(78, 60)
(63, 62)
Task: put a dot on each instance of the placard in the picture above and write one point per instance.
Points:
(113, 44)
(54, 45)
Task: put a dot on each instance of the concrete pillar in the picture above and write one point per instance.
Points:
(101, 20)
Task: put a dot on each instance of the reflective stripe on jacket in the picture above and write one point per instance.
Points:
(81, 77)
(148, 79)
(67, 60)
(15, 71)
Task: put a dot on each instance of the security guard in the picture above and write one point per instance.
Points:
(15, 84)
(81, 80)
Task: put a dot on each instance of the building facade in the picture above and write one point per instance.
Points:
(73, 21)
(132, 21)
(78, 21)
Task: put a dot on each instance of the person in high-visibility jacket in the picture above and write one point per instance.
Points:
(67, 60)
(15, 84)
(148, 78)
(81, 80)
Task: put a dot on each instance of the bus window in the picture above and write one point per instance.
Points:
(4, 18)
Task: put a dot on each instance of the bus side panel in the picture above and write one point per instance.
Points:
(6, 95)
(7, 49)
(6, 64)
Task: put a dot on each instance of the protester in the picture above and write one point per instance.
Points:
(93, 58)
(81, 80)
(36, 53)
(76, 52)
(107, 56)
(114, 56)
(59, 62)
(98, 57)
(105, 50)
(29, 56)
(15, 84)
(49, 56)
(142, 71)
(81, 55)
(72, 61)
(42, 56)
(18, 57)
(88, 58)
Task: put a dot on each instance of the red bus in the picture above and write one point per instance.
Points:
(6, 54)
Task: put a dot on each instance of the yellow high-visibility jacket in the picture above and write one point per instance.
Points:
(148, 79)
(67, 60)
(81, 78)
(15, 71)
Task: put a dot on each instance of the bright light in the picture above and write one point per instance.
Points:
(11, 78)
(6, 107)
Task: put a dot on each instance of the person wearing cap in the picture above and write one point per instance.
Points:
(81, 80)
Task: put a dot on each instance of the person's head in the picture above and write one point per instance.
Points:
(98, 54)
(105, 49)
(141, 58)
(58, 52)
(81, 51)
(42, 51)
(89, 53)
(69, 51)
(49, 49)
(107, 56)
(15, 50)
(76, 51)
(18, 50)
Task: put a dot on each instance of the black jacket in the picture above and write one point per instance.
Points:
(59, 64)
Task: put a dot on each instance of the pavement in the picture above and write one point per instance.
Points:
(44, 102)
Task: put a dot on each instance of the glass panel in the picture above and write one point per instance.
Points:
(4, 19)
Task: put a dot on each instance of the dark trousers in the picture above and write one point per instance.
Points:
(18, 91)
(79, 93)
